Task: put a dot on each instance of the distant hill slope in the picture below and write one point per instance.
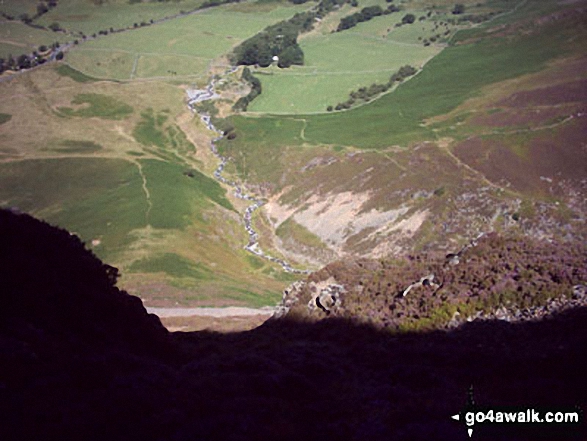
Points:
(81, 360)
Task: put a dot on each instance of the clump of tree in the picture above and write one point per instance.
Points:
(25, 18)
(23, 61)
(55, 27)
(212, 3)
(365, 14)
(277, 40)
(459, 8)
(291, 55)
(408, 19)
(280, 39)
(366, 94)
(255, 84)
(42, 9)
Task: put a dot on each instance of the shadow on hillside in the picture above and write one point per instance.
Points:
(80, 359)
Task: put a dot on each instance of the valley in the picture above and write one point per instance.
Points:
(292, 219)
(487, 136)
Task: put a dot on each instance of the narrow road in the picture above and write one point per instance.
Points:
(230, 311)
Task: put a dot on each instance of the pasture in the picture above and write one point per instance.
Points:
(184, 46)
(89, 18)
(18, 7)
(17, 38)
(337, 63)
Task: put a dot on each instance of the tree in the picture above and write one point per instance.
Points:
(265, 57)
(408, 19)
(347, 22)
(55, 26)
(329, 109)
(458, 9)
(59, 56)
(371, 11)
(292, 55)
(25, 18)
(23, 62)
(42, 9)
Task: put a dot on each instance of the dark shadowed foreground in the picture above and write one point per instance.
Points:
(80, 359)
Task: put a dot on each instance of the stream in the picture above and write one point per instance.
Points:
(196, 96)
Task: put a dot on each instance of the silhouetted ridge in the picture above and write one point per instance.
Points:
(50, 280)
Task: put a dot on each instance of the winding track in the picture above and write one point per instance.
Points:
(199, 95)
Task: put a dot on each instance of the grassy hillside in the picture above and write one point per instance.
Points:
(124, 173)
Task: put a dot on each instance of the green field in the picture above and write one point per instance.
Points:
(337, 63)
(18, 7)
(111, 64)
(87, 17)
(17, 38)
(67, 192)
(456, 74)
(183, 46)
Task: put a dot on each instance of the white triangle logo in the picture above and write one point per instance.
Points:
(456, 417)
(470, 431)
